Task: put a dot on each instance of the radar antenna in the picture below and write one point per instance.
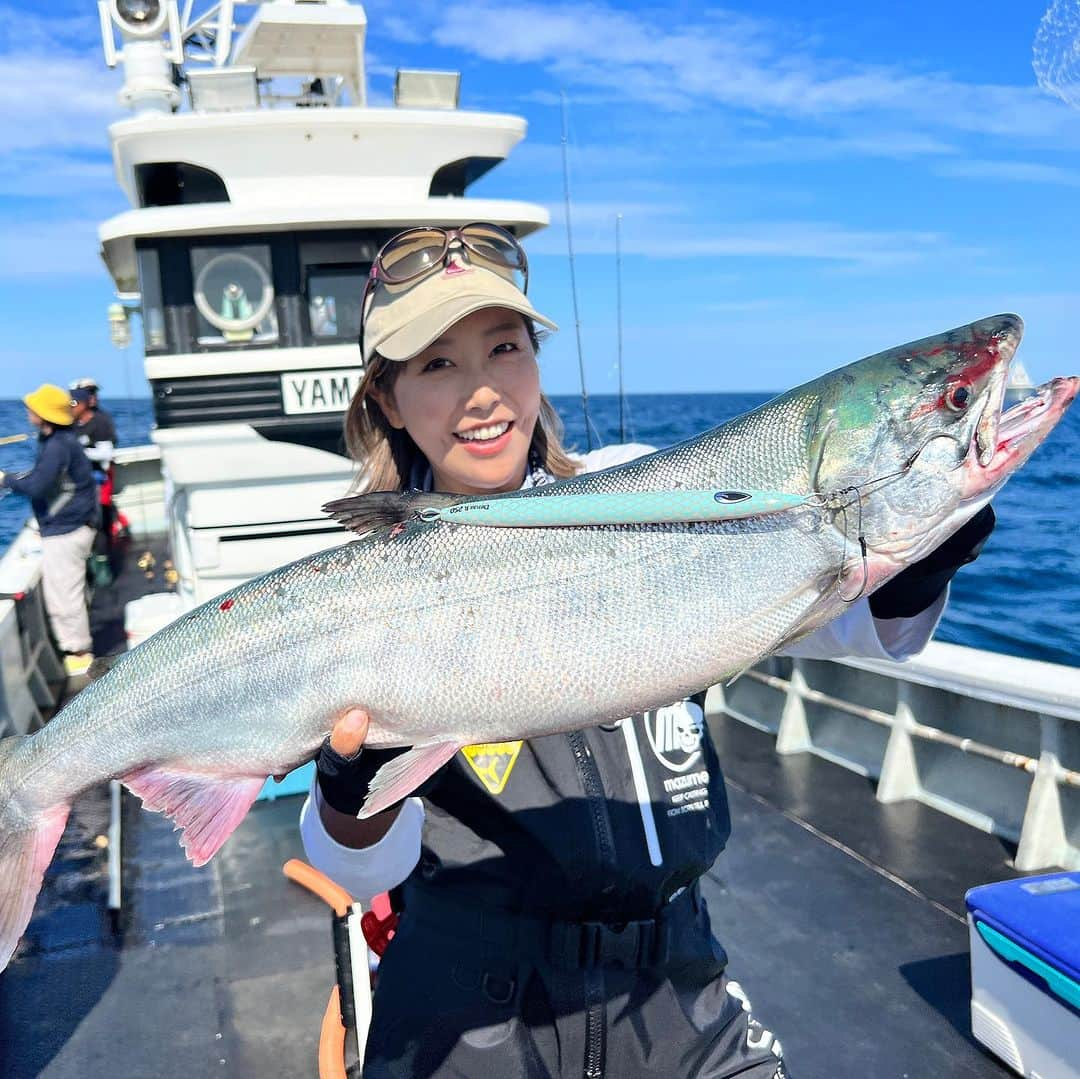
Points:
(227, 60)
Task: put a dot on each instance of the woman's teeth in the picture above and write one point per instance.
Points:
(483, 434)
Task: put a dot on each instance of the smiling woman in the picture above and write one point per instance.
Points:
(545, 881)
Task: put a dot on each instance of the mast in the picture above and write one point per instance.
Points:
(618, 321)
(573, 279)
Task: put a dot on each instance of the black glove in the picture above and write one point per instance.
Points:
(916, 588)
(344, 781)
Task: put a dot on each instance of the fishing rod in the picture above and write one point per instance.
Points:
(618, 320)
(120, 335)
(573, 278)
(8, 440)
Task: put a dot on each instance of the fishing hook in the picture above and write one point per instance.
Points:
(836, 503)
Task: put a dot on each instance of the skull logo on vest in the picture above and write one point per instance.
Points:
(675, 735)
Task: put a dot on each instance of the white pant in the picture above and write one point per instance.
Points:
(63, 578)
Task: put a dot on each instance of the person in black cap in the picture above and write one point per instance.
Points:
(93, 424)
(97, 434)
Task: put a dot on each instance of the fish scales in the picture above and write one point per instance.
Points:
(416, 658)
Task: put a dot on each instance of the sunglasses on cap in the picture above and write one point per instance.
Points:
(419, 252)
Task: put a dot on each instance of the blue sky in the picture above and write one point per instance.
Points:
(800, 184)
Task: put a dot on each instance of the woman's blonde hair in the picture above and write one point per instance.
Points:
(388, 455)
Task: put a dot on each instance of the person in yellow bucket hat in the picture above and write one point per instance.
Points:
(63, 496)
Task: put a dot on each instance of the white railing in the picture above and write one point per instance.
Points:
(990, 739)
(31, 670)
(32, 675)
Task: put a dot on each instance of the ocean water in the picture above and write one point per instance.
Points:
(1022, 596)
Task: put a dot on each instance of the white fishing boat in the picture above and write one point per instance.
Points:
(261, 184)
(1019, 385)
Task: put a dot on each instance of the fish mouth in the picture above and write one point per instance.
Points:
(1004, 440)
(1004, 437)
(993, 358)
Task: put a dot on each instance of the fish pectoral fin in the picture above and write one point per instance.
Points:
(820, 610)
(398, 778)
(206, 808)
(384, 509)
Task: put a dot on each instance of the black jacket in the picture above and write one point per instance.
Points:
(523, 948)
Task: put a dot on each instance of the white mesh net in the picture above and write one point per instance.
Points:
(1056, 53)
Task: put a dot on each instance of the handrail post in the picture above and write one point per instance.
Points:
(900, 767)
(1043, 839)
(793, 734)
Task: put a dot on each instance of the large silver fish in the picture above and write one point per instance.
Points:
(452, 634)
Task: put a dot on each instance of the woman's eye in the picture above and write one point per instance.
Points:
(506, 346)
(436, 364)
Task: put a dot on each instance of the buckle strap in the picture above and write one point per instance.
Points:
(630, 945)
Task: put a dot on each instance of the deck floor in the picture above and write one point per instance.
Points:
(842, 919)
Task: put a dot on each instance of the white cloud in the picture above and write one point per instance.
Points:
(45, 174)
(895, 145)
(56, 101)
(1026, 172)
(400, 29)
(654, 230)
(59, 247)
(735, 61)
(55, 91)
(57, 98)
(587, 159)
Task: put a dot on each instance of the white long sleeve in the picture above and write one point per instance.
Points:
(101, 453)
(367, 871)
(610, 456)
(858, 634)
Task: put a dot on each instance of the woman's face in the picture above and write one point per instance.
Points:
(470, 401)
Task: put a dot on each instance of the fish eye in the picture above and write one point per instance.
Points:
(958, 397)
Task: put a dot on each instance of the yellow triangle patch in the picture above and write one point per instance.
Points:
(492, 762)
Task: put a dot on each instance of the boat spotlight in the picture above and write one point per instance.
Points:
(140, 18)
(119, 325)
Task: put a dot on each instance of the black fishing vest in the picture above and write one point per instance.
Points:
(555, 827)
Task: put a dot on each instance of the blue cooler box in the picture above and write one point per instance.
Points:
(1025, 973)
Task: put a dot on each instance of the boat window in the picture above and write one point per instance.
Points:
(333, 295)
(176, 183)
(234, 295)
(153, 310)
(452, 179)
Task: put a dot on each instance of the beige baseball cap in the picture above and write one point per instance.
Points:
(404, 319)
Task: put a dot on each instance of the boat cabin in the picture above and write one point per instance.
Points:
(262, 184)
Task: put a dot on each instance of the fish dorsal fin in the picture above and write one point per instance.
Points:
(207, 808)
(384, 509)
(398, 778)
(100, 666)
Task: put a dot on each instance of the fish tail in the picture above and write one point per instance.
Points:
(27, 843)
